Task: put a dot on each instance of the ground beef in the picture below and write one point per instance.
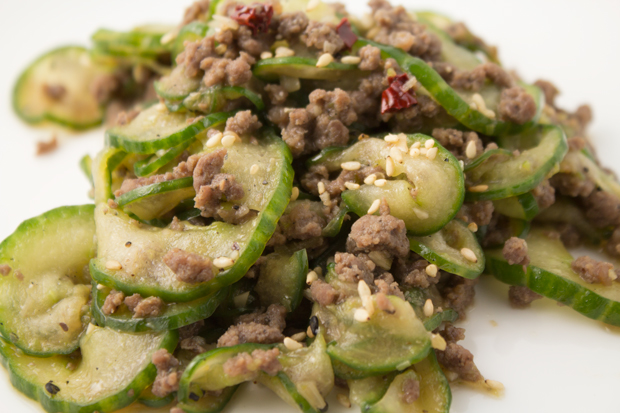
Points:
(168, 376)
(459, 360)
(452, 334)
(193, 54)
(244, 363)
(302, 223)
(549, 90)
(354, 268)
(322, 36)
(104, 87)
(5, 269)
(583, 115)
(125, 117)
(411, 271)
(416, 117)
(277, 94)
(275, 317)
(515, 251)
(602, 209)
(45, 147)
(544, 194)
(243, 123)
(196, 345)
(458, 292)
(112, 302)
(323, 293)
(54, 92)
(475, 80)
(521, 297)
(410, 391)
(223, 71)
(132, 301)
(366, 99)
(516, 105)
(319, 173)
(188, 266)
(479, 212)
(191, 330)
(195, 12)
(292, 24)
(371, 58)
(464, 37)
(250, 333)
(222, 187)
(379, 233)
(148, 307)
(456, 141)
(207, 167)
(592, 271)
(572, 185)
(299, 122)
(612, 247)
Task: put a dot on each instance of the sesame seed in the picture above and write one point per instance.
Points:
(234, 255)
(470, 150)
(214, 140)
(410, 84)
(299, 336)
(389, 166)
(221, 48)
(391, 138)
(351, 166)
(414, 152)
(432, 153)
(321, 187)
(438, 342)
(226, 22)
(228, 141)
(369, 306)
(113, 265)
(420, 213)
(223, 262)
(266, 55)
(374, 207)
(291, 344)
(423, 151)
(429, 308)
(431, 270)
(343, 399)
(390, 72)
(370, 179)
(396, 154)
(462, 164)
(100, 287)
(469, 255)
(324, 60)
(416, 144)
(361, 315)
(494, 385)
(294, 193)
(254, 169)
(478, 188)
(352, 186)
(326, 198)
(380, 182)
(429, 143)
(473, 227)
(313, 4)
(479, 104)
(311, 277)
(351, 60)
(363, 290)
(284, 52)
(309, 332)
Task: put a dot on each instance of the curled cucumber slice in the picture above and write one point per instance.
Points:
(152, 201)
(143, 41)
(522, 206)
(153, 163)
(282, 279)
(303, 68)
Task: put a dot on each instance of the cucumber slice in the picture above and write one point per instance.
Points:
(514, 228)
(385, 343)
(443, 249)
(209, 403)
(191, 32)
(115, 367)
(270, 70)
(564, 211)
(522, 206)
(452, 101)
(106, 180)
(267, 192)
(143, 41)
(176, 86)
(86, 165)
(282, 279)
(154, 162)
(41, 313)
(581, 164)
(173, 315)
(154, 129)
(69, 67)
(550, 274)
(505, 176)
(417, 298)
(148, 399)
(152, 201)
(334, 226)
(438, 182)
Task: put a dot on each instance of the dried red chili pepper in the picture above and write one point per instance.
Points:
(394, 98)
(346, 33)
(256, 16)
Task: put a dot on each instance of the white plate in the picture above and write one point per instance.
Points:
(549, 358)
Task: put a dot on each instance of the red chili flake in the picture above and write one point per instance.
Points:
(394, 98)
(256, 16)
(346, 33)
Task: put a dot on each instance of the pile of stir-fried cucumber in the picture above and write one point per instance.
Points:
(63, 349)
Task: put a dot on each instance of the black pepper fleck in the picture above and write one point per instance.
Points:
(51, 388)
(314, 325)
(128, 244)
(194, 397)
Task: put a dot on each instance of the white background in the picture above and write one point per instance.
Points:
(549, 358)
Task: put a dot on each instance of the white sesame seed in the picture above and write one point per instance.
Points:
(438, 342)
(351, 60)
(420, 213)
(363, 290)
(416, 144)
(221, 48)
(479, 104)
(473, 227)
(223, 262)
(113, 265)
(369, 306)
(391, 138)
(494, 385)
(370, 179)
(469, 255)
(414, 152)
(429, 143)
(326, 198)
(380, 182)
(432, 153)
(361, 315)
(291, 344)
(284, 52)
(215, 140)
(429, 308)
(423, 151)
(396, 154)
(389, 166)
(294, 193)
(99, 286)
(343, 399)
(291, 84)
(431, 270)
(299, 336)
(351, 166)
(470, 150)
(228, 141)
(309, 332)
(311, 277)
(266, 55)
(254, 169)
(234, 255)
(324, 60)
(352, 185)
(226, 22)
(374, 207)
(321, 187)
(478, 188)
(410, 84)
(313, 4)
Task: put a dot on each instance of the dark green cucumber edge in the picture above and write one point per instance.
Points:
(195, 407)
(154, 189)
(152, 164)
(156, 402)
(262, 68)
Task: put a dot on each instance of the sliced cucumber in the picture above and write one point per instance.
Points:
(148, 399)
(417, 298)
(282, 279)
(550, 274)
(522, 206)
(266, 192)
(191, 32)
(334, 226)
(173, 315)
(104, 168)
(114, 369)
(177, 85)
(384, 343)
(144, 41)
(209, 403)
(69, 68)
(152, 201)
(154, 129)
(564, 211)
(501, 176)
(303, 68)
(582, 165)
(513, 228)
(45, 297)
(153, 163)
(86, 165)
(438, 183)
